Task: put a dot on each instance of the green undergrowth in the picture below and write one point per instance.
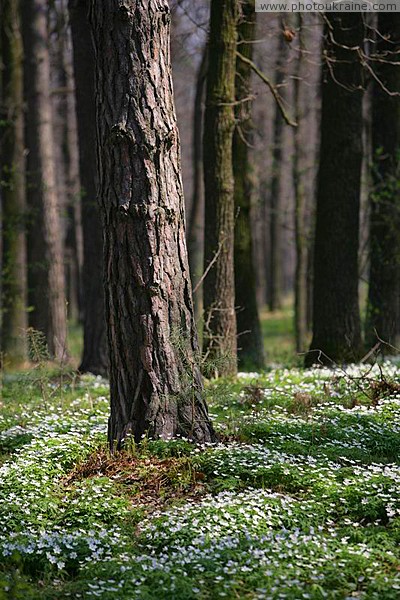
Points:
(299, 498)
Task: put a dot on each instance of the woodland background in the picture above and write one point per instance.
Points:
(51, 234)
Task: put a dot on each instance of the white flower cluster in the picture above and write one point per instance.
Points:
(306, 511)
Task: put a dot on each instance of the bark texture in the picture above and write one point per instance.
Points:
(95, 349)
(220, 347)
(250, 343)
(383, 314)
(45, 240)
(12, 177)
(336, 317)
(156, 386)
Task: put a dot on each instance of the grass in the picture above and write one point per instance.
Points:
(299, 499)
(278, 334)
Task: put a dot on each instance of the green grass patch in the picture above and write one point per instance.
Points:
(299, 499)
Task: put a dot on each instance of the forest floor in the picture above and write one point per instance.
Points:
(300, 499)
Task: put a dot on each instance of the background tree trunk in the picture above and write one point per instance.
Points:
(336, 316)
(384, 281)
(196, 220)
(155, 382)
(74, 238)
(95, 350)
(12, 177)
(301, 234)
(65, 147)
(219, 287)
(274, 261)
(45, 241)
(250, 343)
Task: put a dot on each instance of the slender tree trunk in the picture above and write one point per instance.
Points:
(95, 350)
(74, 234)
(47, 267)
(196, 219)
(155, 382)
(12, 176)
(300, 304)
(250, 343)
(336, 320)
(383, 312)
(66, 154)
(219, 286)
(275, 266)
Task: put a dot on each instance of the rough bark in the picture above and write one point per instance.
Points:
(220, 347)
(336, 317)
(250, 343)
(155, 382)
(12, 177)
(301, 238)
(196, 219)
(95, 350)
(383, 314)
(45, 240)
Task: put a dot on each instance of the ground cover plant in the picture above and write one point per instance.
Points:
(298, 499)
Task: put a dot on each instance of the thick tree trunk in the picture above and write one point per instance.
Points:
(196, 220)
(12, 176)
(45, 243)
(95, 349)
(383, 314)
(220, 348)
(336, 317)
(250, 343)
(156, 386)
(301, 237)
(274, 261)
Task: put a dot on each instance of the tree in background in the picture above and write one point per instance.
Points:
(383, 312)
(95, 352)
(219, 332)
(274, 260)
(66, 151)
(12, 181)
(196, 217)
(336, 317)
(250, 343)
(46, 273)
(155, 382)
(301, 230)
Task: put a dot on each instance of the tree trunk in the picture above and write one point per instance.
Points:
(74, 238)
(196, 219)
(384, 281)
(300, 292)
(66, 153)
(95, 350)
(220, 348)
(45, 242)
(250, 343)
(12, 176)
(155, 382)
(275, 266)
(336, 317)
